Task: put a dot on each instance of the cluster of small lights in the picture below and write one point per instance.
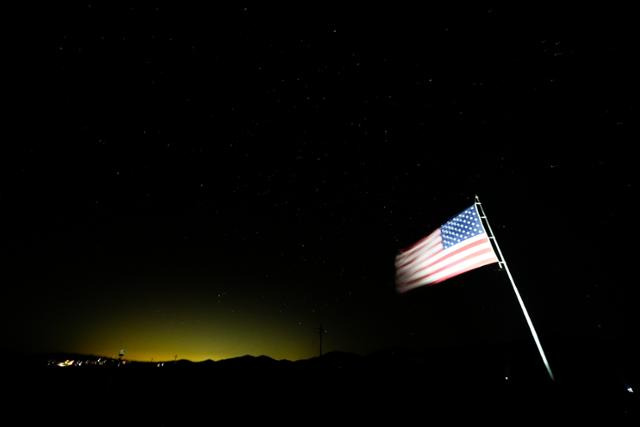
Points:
(67, 363)
(93, 362)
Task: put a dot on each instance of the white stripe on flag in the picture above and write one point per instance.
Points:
(433, 266)
(459, 268)
(434, 247)
(432, 256)
(443, 258)
(421, 244)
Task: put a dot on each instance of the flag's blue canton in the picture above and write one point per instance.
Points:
(461, 227)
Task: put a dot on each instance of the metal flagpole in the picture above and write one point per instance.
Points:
(503, 264)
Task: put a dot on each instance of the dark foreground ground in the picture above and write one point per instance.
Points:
(402, 388)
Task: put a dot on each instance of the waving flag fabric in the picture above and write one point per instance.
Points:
(459, 245)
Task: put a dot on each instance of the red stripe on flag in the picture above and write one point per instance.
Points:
(450, 254)
(453, 264)
(420, 253)
(469, 268)
(418, 244)
(454, 273)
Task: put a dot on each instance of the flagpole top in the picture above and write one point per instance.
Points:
(477, 198)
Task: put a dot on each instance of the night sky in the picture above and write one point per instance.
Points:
(214, 182)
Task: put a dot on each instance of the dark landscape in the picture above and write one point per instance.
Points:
(498, 384)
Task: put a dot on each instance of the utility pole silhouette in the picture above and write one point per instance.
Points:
(321, 332)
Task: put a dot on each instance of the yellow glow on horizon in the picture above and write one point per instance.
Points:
(195, 337)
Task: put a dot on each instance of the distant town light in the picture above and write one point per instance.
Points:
(630, 389)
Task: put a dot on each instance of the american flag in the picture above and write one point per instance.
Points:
(459, 245)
